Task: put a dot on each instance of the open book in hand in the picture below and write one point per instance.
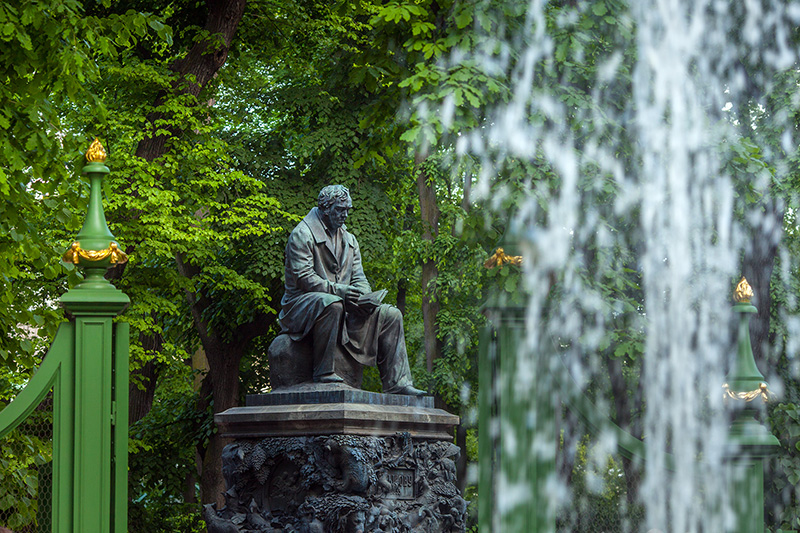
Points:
(372, 299)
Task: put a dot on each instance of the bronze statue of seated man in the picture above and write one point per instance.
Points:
(329, 300)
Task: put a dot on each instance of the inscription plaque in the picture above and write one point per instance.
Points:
(401, 481)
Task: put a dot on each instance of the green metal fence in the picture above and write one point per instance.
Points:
(26, 456)
(523, 442)
(64, 437)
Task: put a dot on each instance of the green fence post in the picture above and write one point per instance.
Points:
(487, 438)
(750, 441)
(514, 419)
(100, 430)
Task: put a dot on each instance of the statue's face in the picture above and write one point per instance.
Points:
(337, 213)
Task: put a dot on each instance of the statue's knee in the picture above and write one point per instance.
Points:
(336, 310)
(393, 314)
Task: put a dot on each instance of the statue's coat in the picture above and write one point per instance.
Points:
(316, 278)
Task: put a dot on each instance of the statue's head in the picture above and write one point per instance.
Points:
(334, 204)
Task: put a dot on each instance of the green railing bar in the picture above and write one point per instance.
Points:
(119, 484)
(64, 434)
(486, 448)
(87, 369)
(39, 385)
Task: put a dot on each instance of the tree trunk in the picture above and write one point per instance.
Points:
(221, 385)
(466, 200)
(223, 359)
(402, 283)
(429, 213)
(758, 265)
(402, 293)
(140, 401)
(201, 64)
(623, 409)
(461, 464)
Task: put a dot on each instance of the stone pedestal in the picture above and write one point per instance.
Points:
(291, 363)
(329, 458)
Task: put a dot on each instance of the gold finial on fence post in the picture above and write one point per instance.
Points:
(743, 293)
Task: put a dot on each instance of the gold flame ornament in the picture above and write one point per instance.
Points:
(76, 253)
(743, 293)
(500, 258)
(96, 153)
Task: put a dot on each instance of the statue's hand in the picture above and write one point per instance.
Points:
(351, 295)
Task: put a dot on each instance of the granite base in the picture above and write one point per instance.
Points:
(333, 459)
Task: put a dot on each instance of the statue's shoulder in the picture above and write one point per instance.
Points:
(351, 239)
(304, 229)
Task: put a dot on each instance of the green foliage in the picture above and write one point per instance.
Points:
(163, 458)
(783, 504)
(24, 464)
(598, 487)
(430, 65)
(26, 454)
(51, 51)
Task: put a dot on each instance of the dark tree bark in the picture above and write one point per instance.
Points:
(402, 293)
(140, 401)
(429, 213)
(461, 464)
(221, 384)
(758, 265)
(201, 64)
(466, 204)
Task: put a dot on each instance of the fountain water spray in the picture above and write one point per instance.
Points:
(632, 211)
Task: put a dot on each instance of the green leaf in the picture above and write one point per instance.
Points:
(463, 18)
(25, 40)
(561, 50)
(472, 98)
(410, 135)
(599, 9)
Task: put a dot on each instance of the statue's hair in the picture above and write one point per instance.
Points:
(328, 195)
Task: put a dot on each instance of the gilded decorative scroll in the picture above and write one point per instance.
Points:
(748, 396)
(76, 253)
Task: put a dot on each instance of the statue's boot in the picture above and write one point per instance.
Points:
(409, 390)
(330, 378)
